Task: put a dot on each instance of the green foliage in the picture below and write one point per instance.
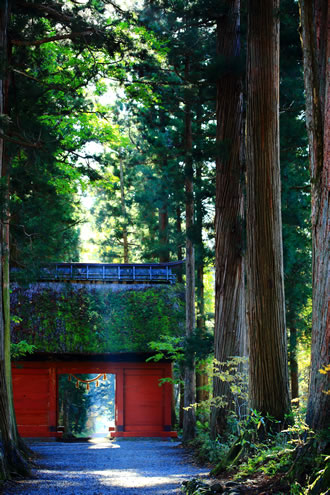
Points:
(208, 450)
(20, 349)
(233, 372)
(95, 320)
(291, 457)
(168, 346)
(53, 117)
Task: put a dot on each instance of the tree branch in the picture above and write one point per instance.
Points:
(25, 144)
(59, 16)
(65, 89)
(52, 38)
(306, 188)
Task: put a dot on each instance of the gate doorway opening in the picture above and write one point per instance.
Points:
(86, 404)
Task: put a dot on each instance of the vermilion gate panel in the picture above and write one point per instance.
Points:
(143, 400)
(143, 408)
(31, 389)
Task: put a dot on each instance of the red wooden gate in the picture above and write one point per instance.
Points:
(143, 407)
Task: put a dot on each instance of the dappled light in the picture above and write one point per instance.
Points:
(122, 466)
(99, 443)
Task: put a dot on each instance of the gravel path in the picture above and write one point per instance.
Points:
(120, 467)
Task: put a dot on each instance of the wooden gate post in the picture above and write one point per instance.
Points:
(52, 417)
(120, 400)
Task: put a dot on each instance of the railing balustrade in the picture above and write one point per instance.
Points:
(129, 273)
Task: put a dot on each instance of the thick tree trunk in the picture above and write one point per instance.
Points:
(230, 325)
(315, 23)
(180, 280)
(11, 460)
(189, 418)
(268, 368)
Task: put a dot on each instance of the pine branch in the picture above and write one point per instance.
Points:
(39, 234)
(306, 188)
(53, 13)
(117, 8)
(65, 89)
(52, 38)
(25, 144)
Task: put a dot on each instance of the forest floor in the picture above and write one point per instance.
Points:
(100, 466)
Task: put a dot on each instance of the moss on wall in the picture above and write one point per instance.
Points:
(71, 318)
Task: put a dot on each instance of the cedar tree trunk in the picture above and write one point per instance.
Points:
(315, 23)
(268, 370)
(11, 460)
(230, 325)
(189, 418)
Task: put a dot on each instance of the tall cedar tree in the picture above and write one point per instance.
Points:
(268, 369)
(11, 458)
(230, 327)
(189, 418)
(315, 22)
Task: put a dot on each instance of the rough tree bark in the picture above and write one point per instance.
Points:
(180, 280)
(11, 459)
(189, 418)
(315, 33)
(268, 369)
(230, 325)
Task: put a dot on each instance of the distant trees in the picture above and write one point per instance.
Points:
(295, 182)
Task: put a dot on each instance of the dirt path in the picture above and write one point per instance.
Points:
(121, 467)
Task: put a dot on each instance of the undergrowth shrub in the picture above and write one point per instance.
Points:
(293, 453)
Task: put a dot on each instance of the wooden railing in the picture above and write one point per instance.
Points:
(108, 272)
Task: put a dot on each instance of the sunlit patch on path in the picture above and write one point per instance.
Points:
(122, 467)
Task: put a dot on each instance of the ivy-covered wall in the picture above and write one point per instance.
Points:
(78, 318)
